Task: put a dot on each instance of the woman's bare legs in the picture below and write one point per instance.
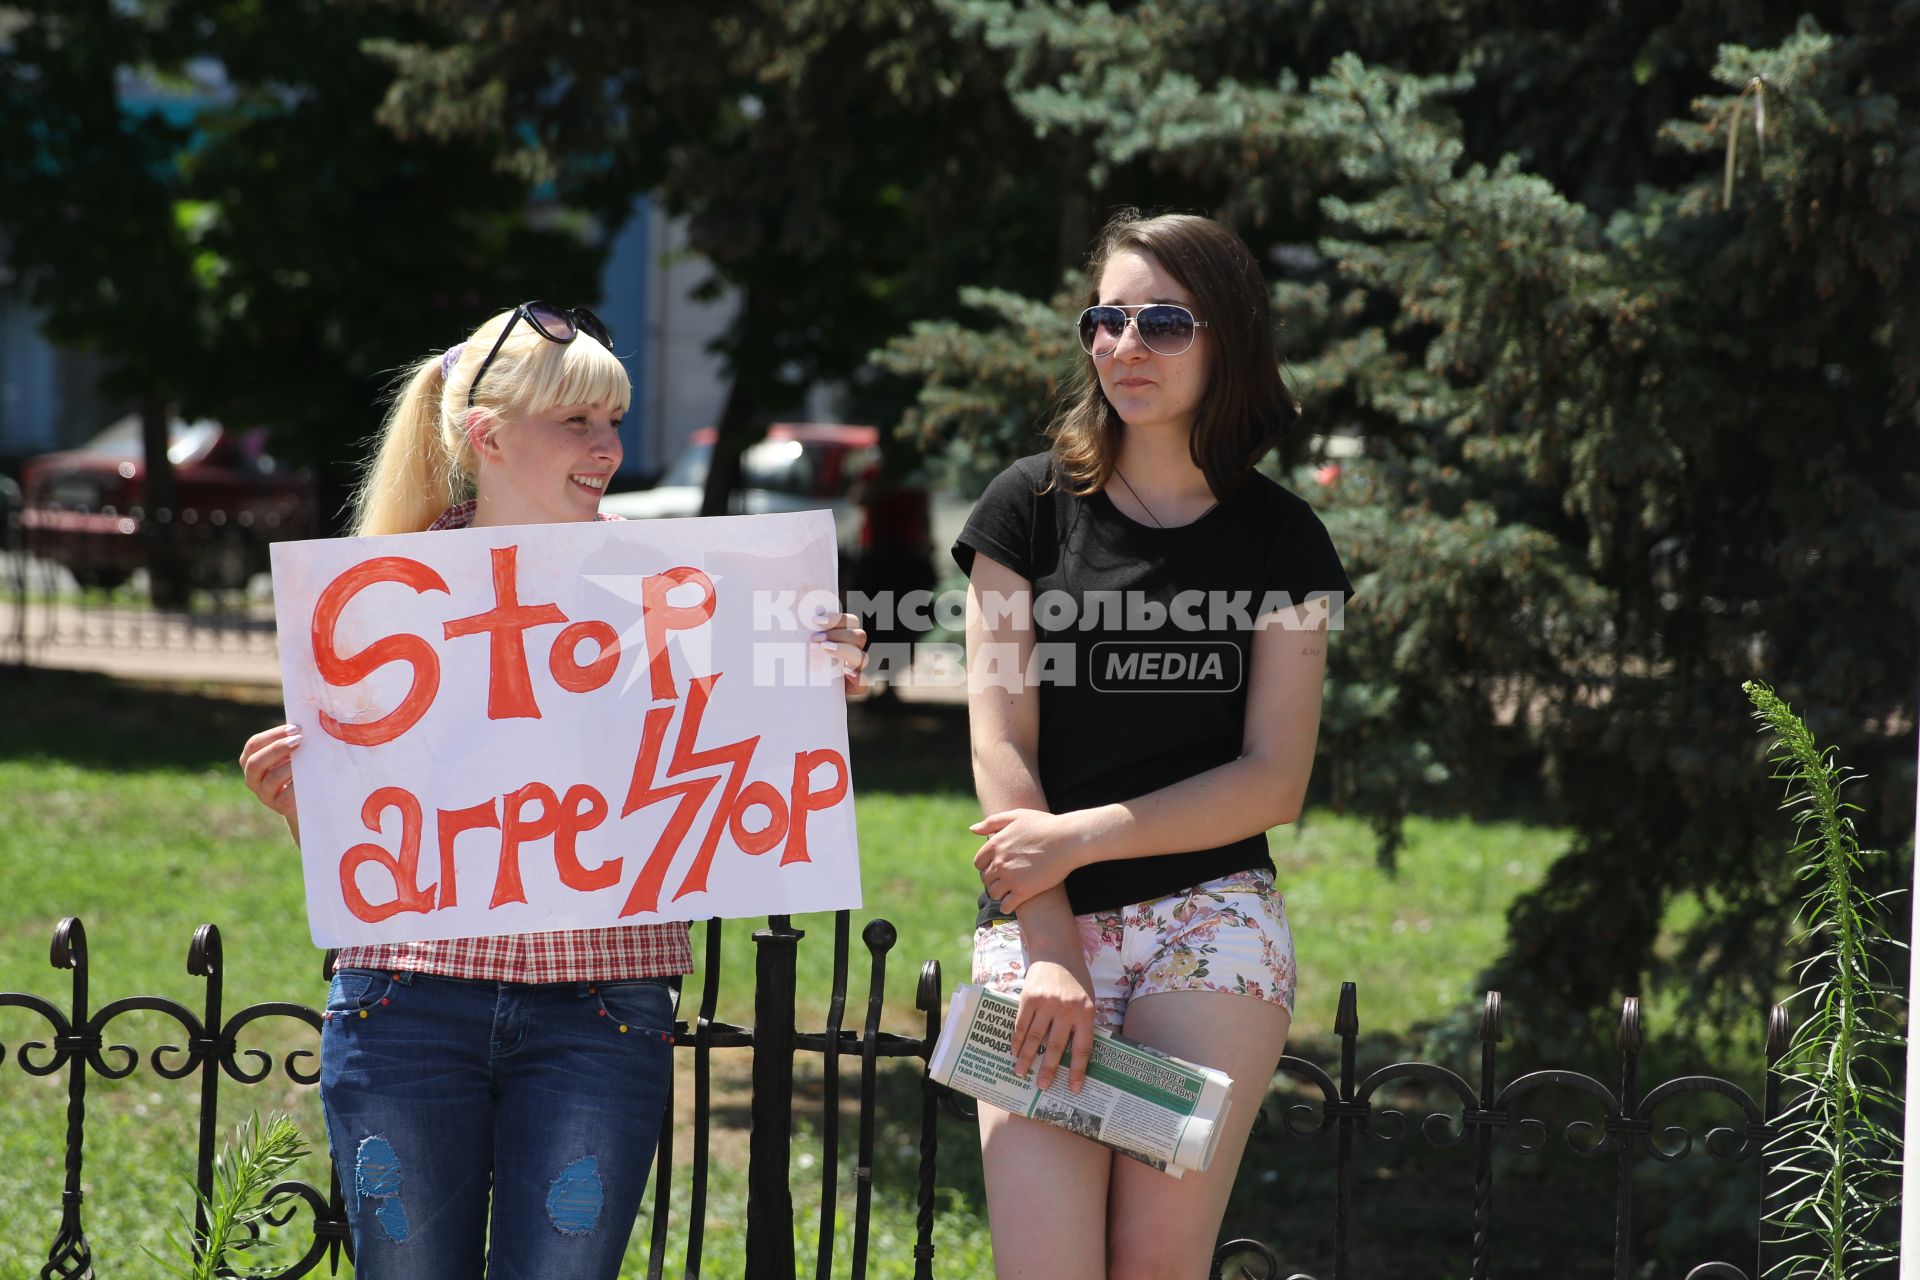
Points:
(1161, 1228)
(1046, 1198)
(1054, 1198)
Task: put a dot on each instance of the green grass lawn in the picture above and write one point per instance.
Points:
(123, 806)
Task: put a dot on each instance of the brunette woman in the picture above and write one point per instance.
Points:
(1161, 717)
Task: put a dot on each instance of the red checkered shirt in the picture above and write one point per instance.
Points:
(567, 955)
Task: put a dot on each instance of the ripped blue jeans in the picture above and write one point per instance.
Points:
(443, 1093)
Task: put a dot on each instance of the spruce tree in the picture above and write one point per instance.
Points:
(1627, 443)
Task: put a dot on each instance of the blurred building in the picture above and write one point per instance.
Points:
(49, 398)
(662, 333)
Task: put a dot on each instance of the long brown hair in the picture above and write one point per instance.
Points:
(1246, 406)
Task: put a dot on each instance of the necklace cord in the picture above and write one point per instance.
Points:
(1149, 510)
(1137, 498)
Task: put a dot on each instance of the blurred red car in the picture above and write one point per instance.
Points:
(799, 466)
(883, 528)
(86, 508)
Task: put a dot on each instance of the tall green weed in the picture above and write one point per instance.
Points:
(1839, 1143)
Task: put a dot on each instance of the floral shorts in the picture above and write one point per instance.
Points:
(1226, 935)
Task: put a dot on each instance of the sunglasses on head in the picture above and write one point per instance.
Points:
(1165, 329)
(555, 324)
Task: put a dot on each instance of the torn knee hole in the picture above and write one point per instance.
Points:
(376, 1176)
(575, 1196)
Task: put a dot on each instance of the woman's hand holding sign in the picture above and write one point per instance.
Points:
(843, 640)
(267, 761)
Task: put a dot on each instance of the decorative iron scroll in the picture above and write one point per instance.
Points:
(1626, 1129)
(208, 1047)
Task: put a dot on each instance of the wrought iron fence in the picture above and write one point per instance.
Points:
(1627, 1133)
(1488, 1113)
(78, 1043)
(78, 578)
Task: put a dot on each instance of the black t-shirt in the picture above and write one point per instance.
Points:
(1127, 706)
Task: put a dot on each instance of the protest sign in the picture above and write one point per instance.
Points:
(565, 726)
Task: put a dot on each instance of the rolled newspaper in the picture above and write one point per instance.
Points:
(1161, 1110)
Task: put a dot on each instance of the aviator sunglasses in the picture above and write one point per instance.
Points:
(555, 324)
(1167, 330)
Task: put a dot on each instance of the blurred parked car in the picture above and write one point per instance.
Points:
(798, 466)
(884, 530)
(86, 508)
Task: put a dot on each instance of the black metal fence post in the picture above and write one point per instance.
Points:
(1483, 1124)
(71, 1258)
(830, 1047)
(703, 1044)
(769, 1198)
(662, 1171)
(879, 936)
(1779, 1033)
(927, 1000)
(1625, 1130)
(1346, 1025)
(204, 960)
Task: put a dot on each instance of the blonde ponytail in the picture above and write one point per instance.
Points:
(421, 468)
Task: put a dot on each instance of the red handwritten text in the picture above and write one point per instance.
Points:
(510, 692)
(540, 817)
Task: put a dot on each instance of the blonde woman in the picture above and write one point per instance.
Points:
(493, 1104)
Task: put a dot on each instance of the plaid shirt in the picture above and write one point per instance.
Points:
(568, 955)
(460, 515)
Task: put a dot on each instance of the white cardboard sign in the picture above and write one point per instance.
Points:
(566, 726)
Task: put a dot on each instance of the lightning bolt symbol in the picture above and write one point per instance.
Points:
(690, 793)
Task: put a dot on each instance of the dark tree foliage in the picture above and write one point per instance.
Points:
(266, 253)
(89, 214)
(1624, 447)
(845, 164)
